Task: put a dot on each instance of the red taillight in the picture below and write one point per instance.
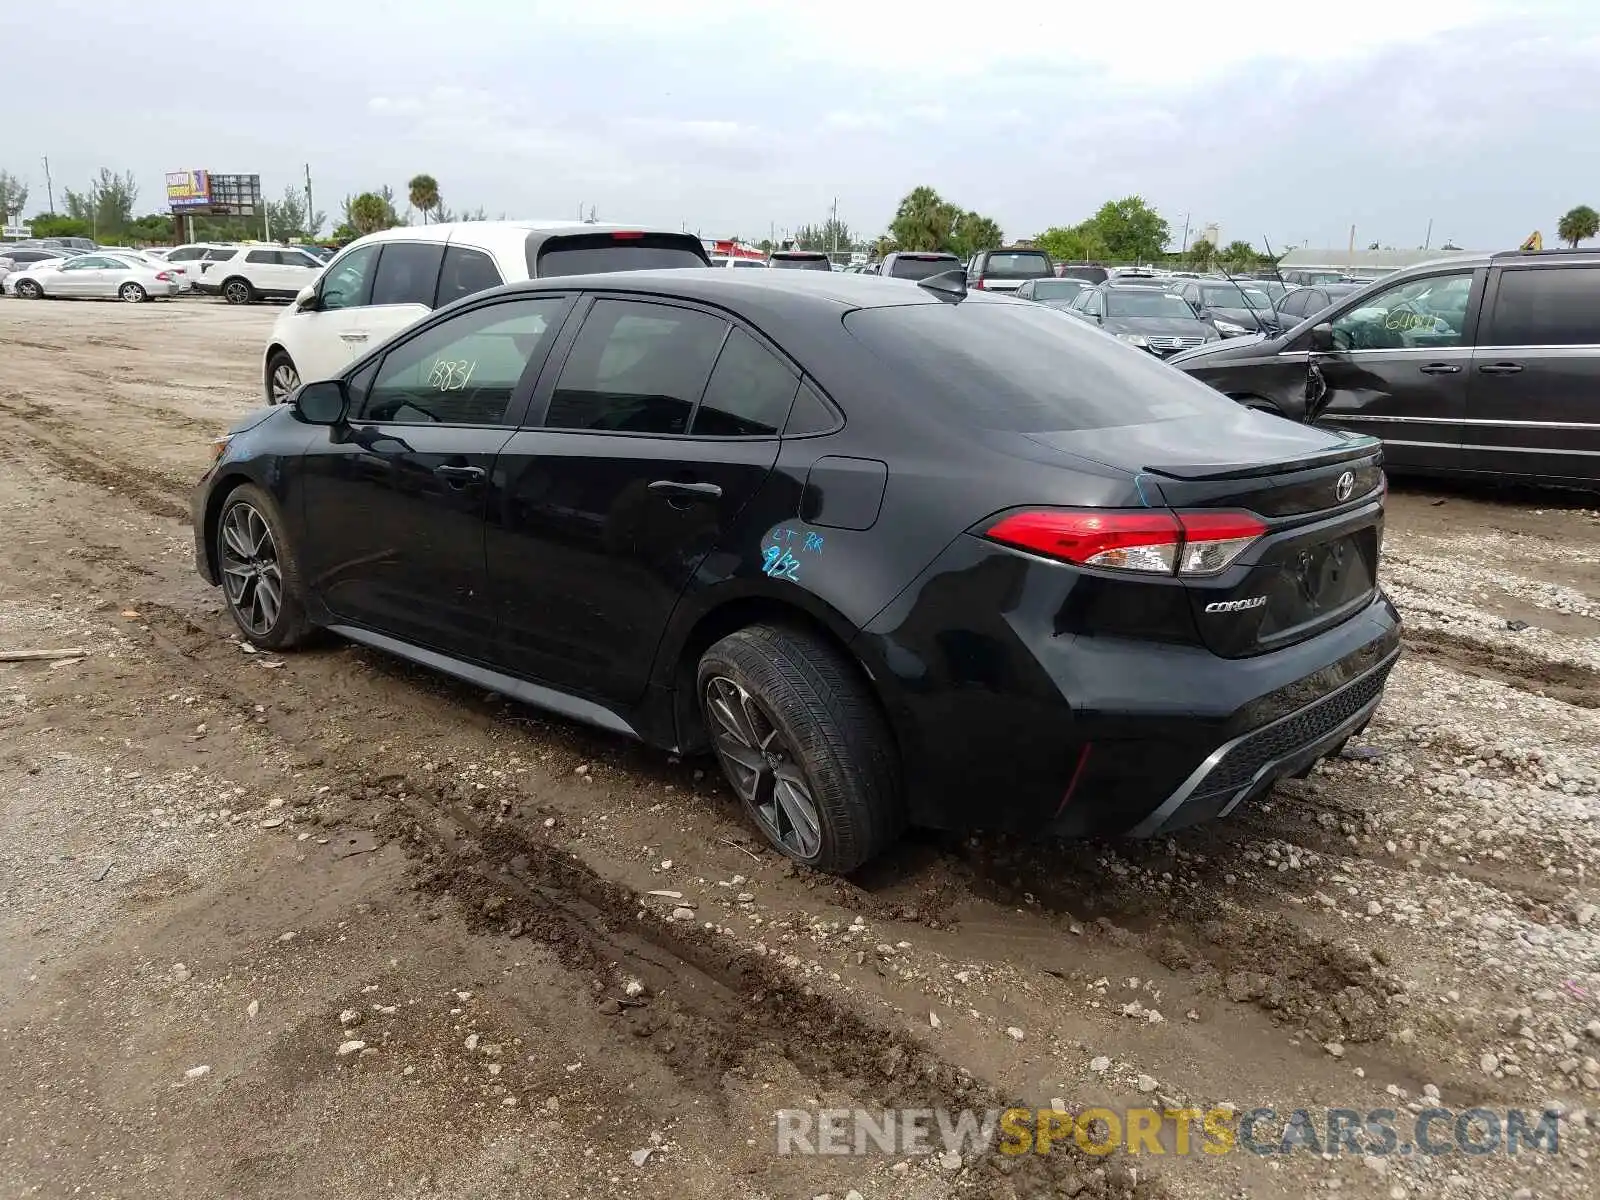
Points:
(628, 236)
(976, 283)
(1148, 540)
(163, 277)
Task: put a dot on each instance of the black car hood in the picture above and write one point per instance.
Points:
(251, 419)
(1232, 438)
(1249, 318)
(1160, 326)
(1229, 349)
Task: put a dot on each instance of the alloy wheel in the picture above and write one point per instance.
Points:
(284, 380)
(251, 576)
(237, 293)
(29, 290)
(763, 768)
(132, 293)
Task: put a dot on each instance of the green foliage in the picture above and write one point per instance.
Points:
(423, 191)
(1131, 230)
(288, 217)
(13, 196)
(832, 234)
(107, 205)
(1239, 256)
(1077, 243)
(926, 221)
(1202, 255)
(48, 225)
(1580, 223)
(370, 212)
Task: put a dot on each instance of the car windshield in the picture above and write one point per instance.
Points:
(1057, 289)
(740, 264)
(804, 262)
(1016, 264)
(1141, 302)
(1234, 297)
(921, 268)
(601, 253)
(1025, 368)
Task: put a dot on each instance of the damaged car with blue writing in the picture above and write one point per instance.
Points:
(895, 556)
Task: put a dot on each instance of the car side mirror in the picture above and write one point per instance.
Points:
(306, 298)
(1322, 337)
(325, 402)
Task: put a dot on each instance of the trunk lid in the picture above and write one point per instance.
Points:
(1320, 497)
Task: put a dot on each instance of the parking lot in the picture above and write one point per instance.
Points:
(246, 862)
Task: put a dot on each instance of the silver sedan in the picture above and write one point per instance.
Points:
(93, 277)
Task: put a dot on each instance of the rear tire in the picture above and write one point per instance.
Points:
(27, 289)
(804, 745)
(238, 291)
(132, 293)
(261, 581)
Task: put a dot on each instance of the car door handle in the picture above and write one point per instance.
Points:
(353, 337)
(1500, 368)
(460, 475)
(1441, 369)
(689, 491)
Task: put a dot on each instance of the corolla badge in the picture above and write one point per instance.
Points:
(1227, 606)
(1346, 485)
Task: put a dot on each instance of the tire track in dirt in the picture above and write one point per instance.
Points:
(1572, 683)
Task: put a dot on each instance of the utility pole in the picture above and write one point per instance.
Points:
(1352, 251)
(49, 188)
(1428, 241)
(310, 209)
(1185, 248)
(834, 225)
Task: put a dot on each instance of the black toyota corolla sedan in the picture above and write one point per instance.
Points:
(892, 554)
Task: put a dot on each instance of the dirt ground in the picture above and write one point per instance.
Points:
(324, 925)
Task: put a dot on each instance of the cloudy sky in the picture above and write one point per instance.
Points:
(739, 116)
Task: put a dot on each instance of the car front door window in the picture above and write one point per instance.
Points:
(463, 371)
(348, 282)
(1418, 314)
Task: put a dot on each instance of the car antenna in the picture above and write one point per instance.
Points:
(1274, 259)
(949, 286)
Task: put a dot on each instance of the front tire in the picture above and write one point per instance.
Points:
(260, 578)
(29, 290)
(283, 377)
(132, 293)
(238, 291)
(803, 744)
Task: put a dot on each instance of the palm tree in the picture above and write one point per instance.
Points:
(1202, 254)
(923, 221)
(424, 194)
(1582, 222)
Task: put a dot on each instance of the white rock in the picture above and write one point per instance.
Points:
(471, 1042)
(1015, 1034)
(1374, 908)
(683, 914)
(950, 1161)
(666, 864)
(633, 988)
(1147, 1083)
(1335, 1048)
(349, 1017)
(197, 1072)
(1100, 1064)
(642, 1156)
(351, 1047)
(251, 1009)
(1489, 1063)
(933, 1020)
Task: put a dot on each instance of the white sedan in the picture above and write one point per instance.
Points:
(93, 277)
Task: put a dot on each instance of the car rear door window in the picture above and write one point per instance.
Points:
(810, 414)
(1546, 306)
(348, 282)
(465, 273)
(914, 267)
(464, 370)
(265, 258)
(636, 368)
(1020, 264)
(408, 273)
(750, 391)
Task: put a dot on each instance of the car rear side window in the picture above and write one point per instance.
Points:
(1024, 368)
(1016, 265)
(408, 273)
(1547, 307)
(466, 272)
(599, 253)
(800, 262)
(464, 370)
(269, 258)
(749, 394)
(636, 368)
(348, 282)
(810, 414)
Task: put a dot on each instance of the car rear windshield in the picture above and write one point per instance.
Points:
(1018, 264)
(919, 267)
(600, 253)
(801, 262)
(1026, 368)
(1058, 289)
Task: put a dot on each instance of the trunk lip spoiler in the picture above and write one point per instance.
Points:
(1368, 448)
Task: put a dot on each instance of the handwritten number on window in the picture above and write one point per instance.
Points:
(449, 376)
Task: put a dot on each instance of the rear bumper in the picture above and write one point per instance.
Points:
(207, 289)
(1039, 714)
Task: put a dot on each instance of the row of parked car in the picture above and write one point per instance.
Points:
(240, 273)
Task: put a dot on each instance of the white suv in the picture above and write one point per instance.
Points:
(379, 284)
(244, 274)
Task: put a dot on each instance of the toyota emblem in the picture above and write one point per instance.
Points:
(1346, 485)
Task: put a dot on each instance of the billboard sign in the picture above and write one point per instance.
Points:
(188, 189)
